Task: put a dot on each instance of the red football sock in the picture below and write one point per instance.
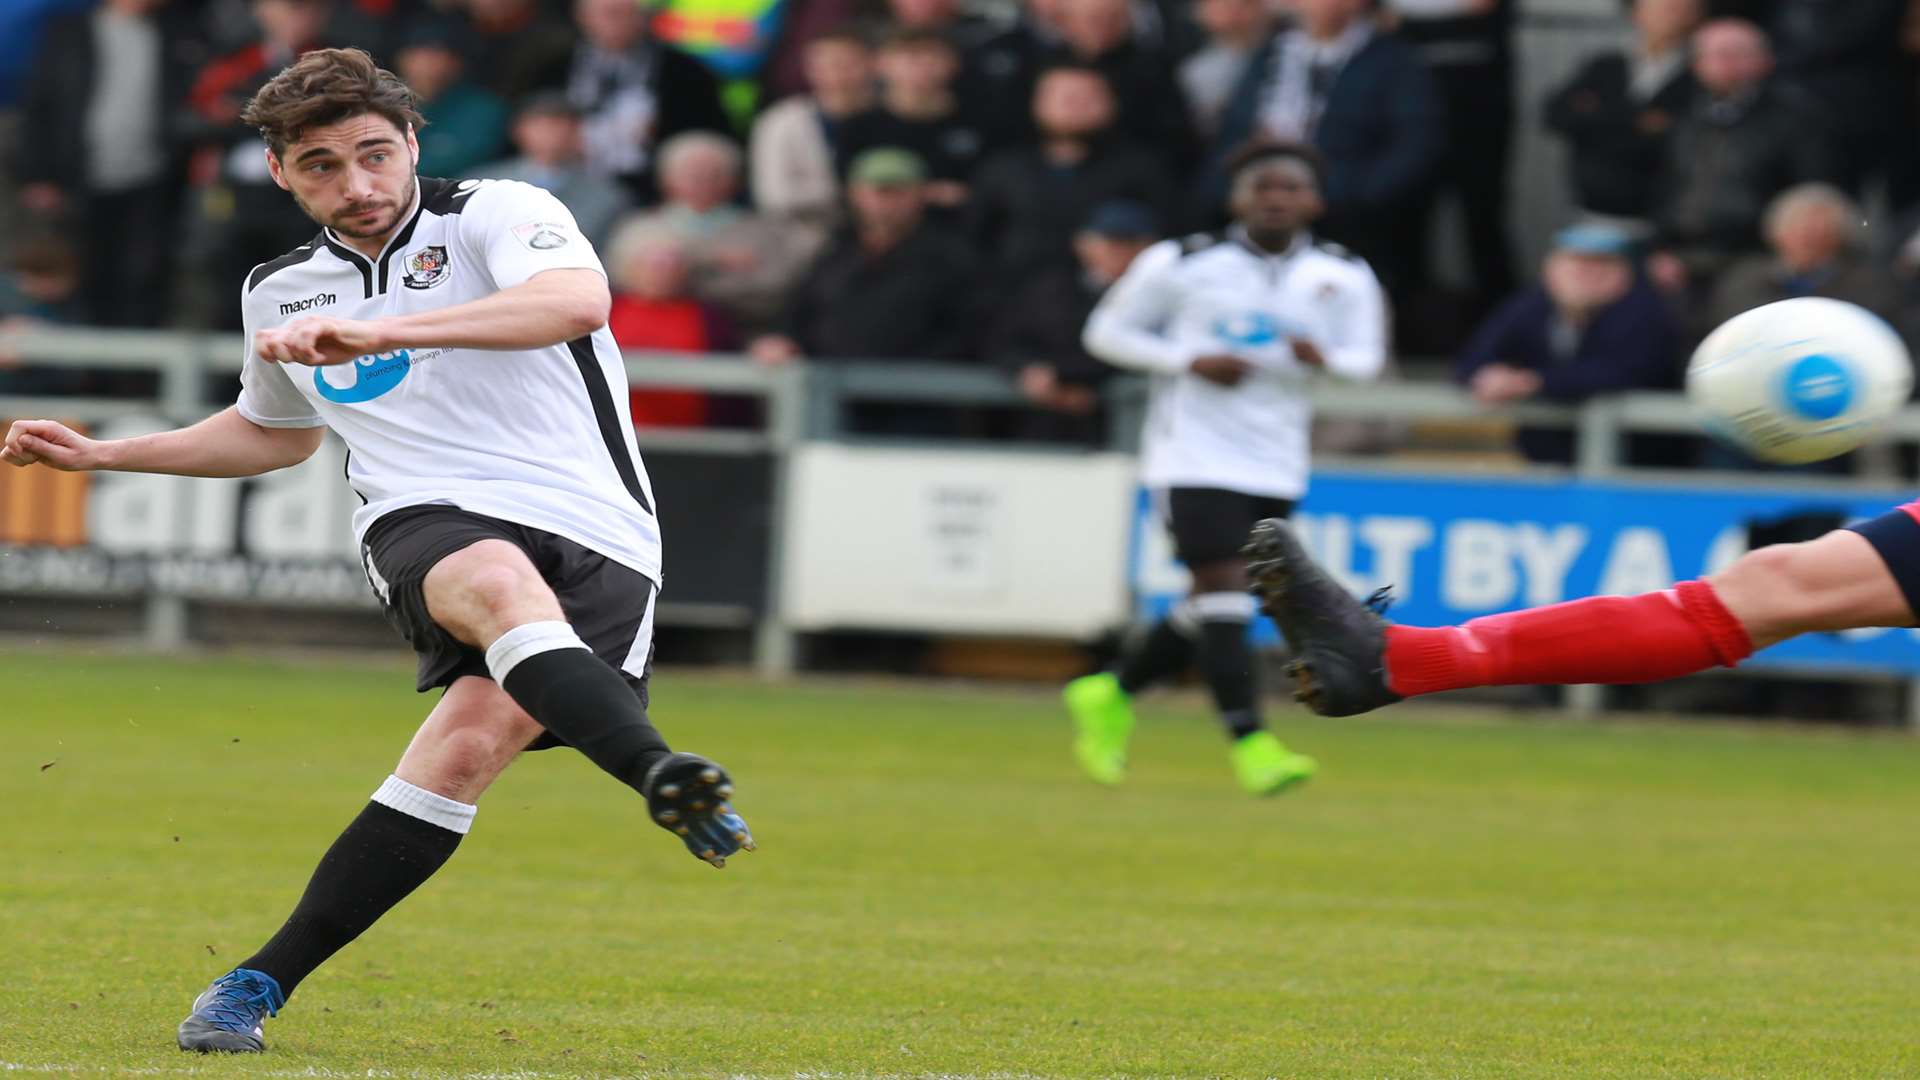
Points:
(1602, 639)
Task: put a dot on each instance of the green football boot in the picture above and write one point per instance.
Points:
(1264, 766)
(1102, 722)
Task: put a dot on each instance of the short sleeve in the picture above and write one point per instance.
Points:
(519, 230)
(267, 394)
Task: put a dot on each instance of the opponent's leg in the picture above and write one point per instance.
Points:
(1349, 660)
(1102, 705)
(489, 595)
(405, 834)
(1224, 611)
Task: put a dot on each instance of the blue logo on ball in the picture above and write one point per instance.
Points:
(373, 376)
(1817, 387)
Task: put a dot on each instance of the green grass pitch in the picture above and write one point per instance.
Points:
(938, 894)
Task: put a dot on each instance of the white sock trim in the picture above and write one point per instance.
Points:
(1224, 607)
(420, 803)
(529, 639)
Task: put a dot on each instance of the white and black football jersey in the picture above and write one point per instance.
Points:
(1212, 295)
(541, 437)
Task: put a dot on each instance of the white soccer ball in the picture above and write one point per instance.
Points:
(1799, 380)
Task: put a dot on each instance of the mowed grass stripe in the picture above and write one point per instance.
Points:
(939, 894)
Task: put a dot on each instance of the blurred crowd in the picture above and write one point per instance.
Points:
(817, 180)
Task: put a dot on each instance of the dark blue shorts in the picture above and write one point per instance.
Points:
(1896, 536)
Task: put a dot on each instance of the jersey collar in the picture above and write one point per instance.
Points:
(394, 243)
(1302, 240)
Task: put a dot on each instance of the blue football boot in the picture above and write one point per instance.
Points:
(687, 795)
(226, 1016)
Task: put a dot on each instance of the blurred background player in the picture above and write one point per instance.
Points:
(1232, 326)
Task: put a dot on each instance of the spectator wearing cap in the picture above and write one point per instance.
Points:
(466, 124)
(1028, 200)
(1747, 138)
(1815, 236)
(739, 261)
(792, 152)
(1618, 112)
(97, 150)
(1235, 31)
(890, 286)
(546, 131)
(654, 310)
(919, 111)
(1591, 326)
(1365, 101)
(633, 91)
(1035, 336)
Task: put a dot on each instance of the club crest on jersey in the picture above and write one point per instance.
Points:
(426, 268)
(372, 376)
(541, 235)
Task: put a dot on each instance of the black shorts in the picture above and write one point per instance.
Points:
(1896, 536)
(1210, 525)
(610, 605)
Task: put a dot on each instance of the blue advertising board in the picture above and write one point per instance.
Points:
(1455, 547)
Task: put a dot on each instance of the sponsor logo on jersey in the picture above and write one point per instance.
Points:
(1247, 330)
(426, 268)
(372, 376)
(294, 307)
(541, 235)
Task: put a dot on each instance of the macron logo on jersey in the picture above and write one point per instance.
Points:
(294, 307)
(372, 377)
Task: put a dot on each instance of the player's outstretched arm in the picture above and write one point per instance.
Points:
(224, 444)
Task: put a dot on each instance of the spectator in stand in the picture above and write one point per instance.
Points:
(242, 218)
(1746, 139)
(793, 150)
(44, 286)
(547, 132)
(1816, 239)
(738, 261)
(98, 154)
(1036, 335)
(633, 92)
(1591, 326)
(653, 311)
(918, 111)
(1366, 102)
(466, 124)
(1618, 112)
(1235, 31)
(1468, 46)
(514, 44)
(1029, 200)
(1846, 55)
(890, 286)
(1102, 34)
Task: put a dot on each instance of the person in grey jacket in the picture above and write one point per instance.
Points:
(546, 129)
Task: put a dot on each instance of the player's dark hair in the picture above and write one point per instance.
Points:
(325, 87)
(1260, 150)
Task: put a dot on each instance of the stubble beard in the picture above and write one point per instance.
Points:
(368, 233)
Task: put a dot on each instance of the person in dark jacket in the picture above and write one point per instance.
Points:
(1747, 138)
(1035, 337)
(919, 111)
(98, 151)
(1029, 200)
(1103, 35)
(1618, 112)
(1591, 326)
(890, 287)
(633, 91)
(1846, 54)
(1366, 102)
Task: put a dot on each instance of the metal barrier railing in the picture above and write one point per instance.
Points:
(806, 401)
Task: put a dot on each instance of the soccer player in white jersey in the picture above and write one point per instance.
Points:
(454, 336)
(1233, 328)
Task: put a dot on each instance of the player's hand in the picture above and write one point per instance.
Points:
(53, 444)
(1226, 371)
(1308, 353)
(318, 342)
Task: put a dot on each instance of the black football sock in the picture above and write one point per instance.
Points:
(403, 836)
(1166, 649)
(1227, 660)
(576, 696)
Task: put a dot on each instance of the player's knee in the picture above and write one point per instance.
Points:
(474, 750)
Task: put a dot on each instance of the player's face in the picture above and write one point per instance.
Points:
(355, 177)
(1276, 196)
